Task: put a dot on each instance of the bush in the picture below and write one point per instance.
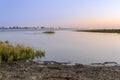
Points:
(49, 32)
(9, 52)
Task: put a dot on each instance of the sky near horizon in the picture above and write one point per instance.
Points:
(60, 13)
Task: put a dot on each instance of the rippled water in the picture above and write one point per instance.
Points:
(63, 46)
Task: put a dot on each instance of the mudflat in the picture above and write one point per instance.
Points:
(51, 70)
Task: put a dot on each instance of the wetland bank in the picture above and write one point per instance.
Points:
(101, 30)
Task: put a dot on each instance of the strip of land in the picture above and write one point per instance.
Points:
(51, 70)
(101, 30)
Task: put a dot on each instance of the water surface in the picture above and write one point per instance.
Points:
(63, 46)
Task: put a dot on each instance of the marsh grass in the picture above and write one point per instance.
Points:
(9, 52)
(49, 32)
(101, 30)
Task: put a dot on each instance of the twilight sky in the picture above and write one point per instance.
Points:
(60, 13)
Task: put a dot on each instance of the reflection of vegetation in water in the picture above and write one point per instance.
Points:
(49, 32)
(101, 30)
(9, 52)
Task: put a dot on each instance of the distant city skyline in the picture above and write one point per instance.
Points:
(60, 13)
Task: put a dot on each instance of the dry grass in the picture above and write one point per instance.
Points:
(9, 52)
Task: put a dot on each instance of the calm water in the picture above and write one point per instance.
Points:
(63, 46)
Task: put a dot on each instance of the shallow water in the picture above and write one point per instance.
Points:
(63, 46)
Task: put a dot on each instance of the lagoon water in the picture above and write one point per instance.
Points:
(63, 46)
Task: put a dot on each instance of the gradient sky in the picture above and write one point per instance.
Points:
(60, 13)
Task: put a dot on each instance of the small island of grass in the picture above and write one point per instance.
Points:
(49, 32)
(10, 52)
(101, 30)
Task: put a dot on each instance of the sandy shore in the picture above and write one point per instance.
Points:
(51, 70)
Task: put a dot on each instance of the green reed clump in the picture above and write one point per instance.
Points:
(49, 32)
(9, 52)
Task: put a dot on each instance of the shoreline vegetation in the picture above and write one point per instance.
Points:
(18, 52)
(100, 30)
(48, 32)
